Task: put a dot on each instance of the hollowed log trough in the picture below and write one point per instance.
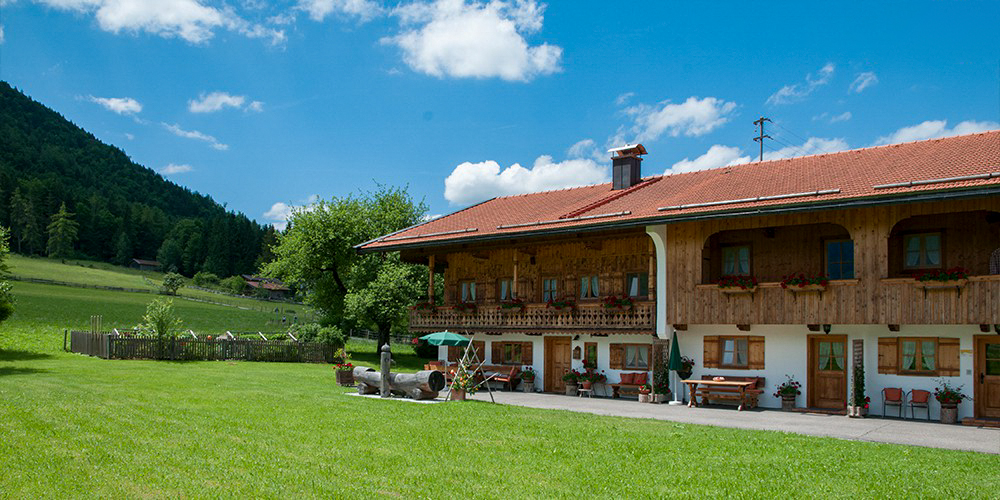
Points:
(421, 385)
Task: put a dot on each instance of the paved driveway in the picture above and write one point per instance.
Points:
(911, 432)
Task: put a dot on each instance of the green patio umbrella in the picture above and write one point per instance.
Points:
(445, 338)
(675, 355)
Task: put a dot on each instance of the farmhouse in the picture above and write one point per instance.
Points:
(276, 289)
(841, 258)
(144, 265)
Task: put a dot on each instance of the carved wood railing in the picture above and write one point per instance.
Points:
(536, 317)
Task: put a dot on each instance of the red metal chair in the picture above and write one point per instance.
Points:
(919, 399)
(892, 396)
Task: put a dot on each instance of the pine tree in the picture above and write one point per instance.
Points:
(62, 233)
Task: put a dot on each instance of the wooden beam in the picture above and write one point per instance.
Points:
(743, 328)
(430, 279)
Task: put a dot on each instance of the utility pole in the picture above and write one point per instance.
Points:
(762, 135)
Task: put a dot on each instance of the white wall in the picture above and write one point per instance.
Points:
(786, 352)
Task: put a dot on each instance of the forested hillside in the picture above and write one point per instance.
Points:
(123, 210)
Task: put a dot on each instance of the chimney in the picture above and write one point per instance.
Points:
(625, 166)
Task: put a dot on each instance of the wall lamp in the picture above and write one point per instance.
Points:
(827, 328)
(996, 328)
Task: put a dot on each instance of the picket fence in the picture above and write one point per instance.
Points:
(111, 345)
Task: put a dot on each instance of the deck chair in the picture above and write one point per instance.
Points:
(892, 396)
(919, 399)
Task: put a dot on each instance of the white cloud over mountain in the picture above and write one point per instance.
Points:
(471, 182)
(933, 129)
(196, 135)
(456, 39)
(120, 105)
(172, 169)
(216, 101)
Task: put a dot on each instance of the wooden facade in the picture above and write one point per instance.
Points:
(881, 292)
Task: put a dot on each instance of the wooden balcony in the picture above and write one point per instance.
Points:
(592, 318)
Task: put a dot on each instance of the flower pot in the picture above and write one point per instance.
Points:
(457, 395)
(856, 411)
(735, 290)
(645, 398)
(345, 378)
(527, 386)
(586, 384)
(787, 403)
(684, 375)
(949, 413)
(661, 398)
(571, 389)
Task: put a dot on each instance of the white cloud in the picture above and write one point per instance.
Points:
(1, 34)
(933, 129)
(120, 105)
(474, 182)
(216, 101)
(812, 146)
(129, 136)
(279, 212)
(587, 148)
(843, 117)
(187, 19)
(365, 10)
(624, 98)
(863, 81)
(194, 134)
(693, 117)
(452, 38)
(716, 156)
(796, 92)
(176, 169)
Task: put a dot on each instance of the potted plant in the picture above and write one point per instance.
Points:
(644, 391)
(464, 384)
(788, 391)
(859, 401)
(528, 379)
(618, 304)
(949, 397)
(345, 374)
(465, 307)
(661, 384)
(737, 284)
(571, 378)
(590, 377)
(563, 304)
(687, 368)
(955, 277)
(512, 305)
(802, 283)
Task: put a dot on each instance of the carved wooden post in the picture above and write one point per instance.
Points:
(384, 368)
(430, 279)
(513, 282)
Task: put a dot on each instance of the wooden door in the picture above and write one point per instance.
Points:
(986, 376)
(557, 363)
(827, 384)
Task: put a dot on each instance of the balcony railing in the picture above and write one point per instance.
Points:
(537, 318)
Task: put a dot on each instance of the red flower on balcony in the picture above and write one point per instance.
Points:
(741, 282)
(801, 280)
(952, 274)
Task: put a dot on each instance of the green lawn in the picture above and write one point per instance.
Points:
(73, 426)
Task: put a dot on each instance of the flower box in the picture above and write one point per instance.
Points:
(735, 290)
(935, 285)
(807, 288)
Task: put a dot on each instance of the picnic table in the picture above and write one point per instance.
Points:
(741, 386)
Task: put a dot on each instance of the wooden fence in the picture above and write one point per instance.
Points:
(115, 346)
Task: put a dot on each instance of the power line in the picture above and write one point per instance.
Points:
(762, 136)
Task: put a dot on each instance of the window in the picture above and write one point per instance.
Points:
(637, 284)
(504, 289)
(468, 291)
(736, 260)
(918, 355)
(549, 289)
(636, 357)
(512, 353)
(922, 251)
(590, 354)
(588, 287)
(831, 357)
(840, 259)
(733, 352)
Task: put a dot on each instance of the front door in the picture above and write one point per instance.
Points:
(827, 385)
(987, 376)
(557, 363)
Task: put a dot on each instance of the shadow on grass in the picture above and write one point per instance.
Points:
(17, 355)
(403, 362)
(17, 370)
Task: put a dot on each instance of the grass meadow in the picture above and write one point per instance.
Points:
(74, 426)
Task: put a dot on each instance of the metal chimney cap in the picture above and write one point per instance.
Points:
(628, 150)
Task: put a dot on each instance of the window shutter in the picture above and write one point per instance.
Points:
(755, 356)
(710, 358)
(948, 357)
(526, 348)
(888, 355)
(480, 348)
(497, 354)
(454, 353)
(617, 357)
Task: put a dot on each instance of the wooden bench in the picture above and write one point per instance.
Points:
(732, 393)
(509, 375)
(617, 389)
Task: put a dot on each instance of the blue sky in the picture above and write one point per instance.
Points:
(266, 105)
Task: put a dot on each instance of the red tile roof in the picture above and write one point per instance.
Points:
(817, 179)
